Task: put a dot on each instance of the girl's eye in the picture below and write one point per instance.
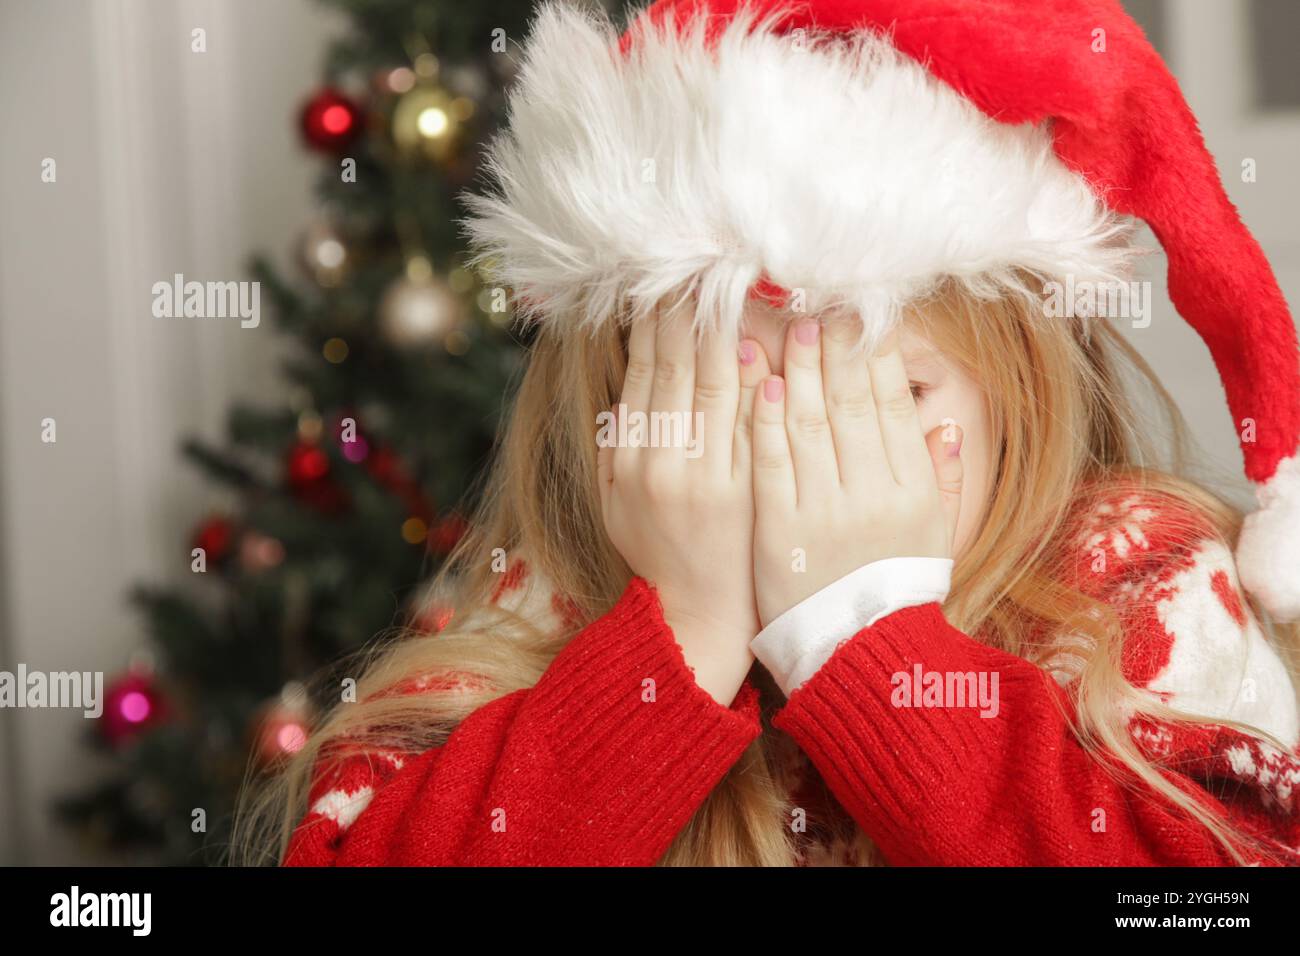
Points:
(918, 390)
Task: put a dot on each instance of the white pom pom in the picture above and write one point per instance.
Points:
(1268, 552)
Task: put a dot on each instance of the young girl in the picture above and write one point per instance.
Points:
(911, 593)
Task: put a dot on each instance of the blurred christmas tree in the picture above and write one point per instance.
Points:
(347, 498)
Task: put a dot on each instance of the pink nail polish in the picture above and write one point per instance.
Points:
(806, 332)
(747, 353)
(954, 448)
(773, 389)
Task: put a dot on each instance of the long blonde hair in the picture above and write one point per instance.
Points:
(1060, 414)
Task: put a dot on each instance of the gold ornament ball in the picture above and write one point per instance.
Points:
(417, 312)
(428, 121)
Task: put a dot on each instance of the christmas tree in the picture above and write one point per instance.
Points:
(349, 496)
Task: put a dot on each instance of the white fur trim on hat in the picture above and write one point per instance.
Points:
(839, 167)
(1268, 550)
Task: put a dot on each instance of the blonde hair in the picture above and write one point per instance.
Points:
(1061, 418)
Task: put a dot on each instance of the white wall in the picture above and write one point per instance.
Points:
(168, 161)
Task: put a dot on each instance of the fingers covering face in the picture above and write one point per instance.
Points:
(774, 477)
(638, 380)
(807, 426)
(850, 406)
(850, 418)
(682, 394)
(900, 425)
(837, 417)
(674, 375)
(717, 393)
(753, 369)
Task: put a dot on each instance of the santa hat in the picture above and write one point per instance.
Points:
(864, 151)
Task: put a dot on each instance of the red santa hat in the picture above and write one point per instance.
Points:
(863, 151)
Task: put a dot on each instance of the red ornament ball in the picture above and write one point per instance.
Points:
(308, 472)
(215, 536)
(330, 120)
(132, 704)
(307, 464)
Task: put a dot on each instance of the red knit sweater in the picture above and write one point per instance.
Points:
(605, 760)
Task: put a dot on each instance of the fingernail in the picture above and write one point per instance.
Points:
(806, 332)
(954, 448)
(773, 389)
(747, 353)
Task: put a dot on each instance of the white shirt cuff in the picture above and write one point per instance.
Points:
(795, 645)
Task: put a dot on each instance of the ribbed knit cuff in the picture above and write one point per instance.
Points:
(897, 758)
(639, 741)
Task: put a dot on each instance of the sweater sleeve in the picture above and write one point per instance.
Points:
(949, 752)
(797, 643)
(603, 762)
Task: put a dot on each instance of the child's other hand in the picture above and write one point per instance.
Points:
(843, 475)
(683, 517)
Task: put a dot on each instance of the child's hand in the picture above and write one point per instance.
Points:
(683, 518)
(842, 471)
